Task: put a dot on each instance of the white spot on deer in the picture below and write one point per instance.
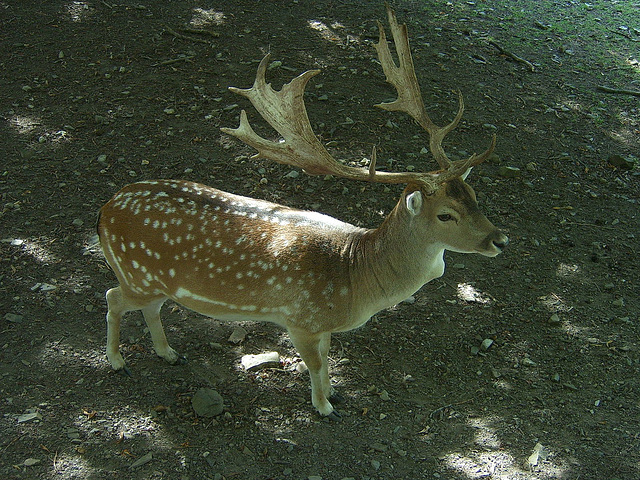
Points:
(172, 273)
(135, 264)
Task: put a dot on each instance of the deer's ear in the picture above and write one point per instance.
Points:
(414, 202)
(466, 174)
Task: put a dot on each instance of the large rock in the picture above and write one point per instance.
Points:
(263, 360)
(207, 403)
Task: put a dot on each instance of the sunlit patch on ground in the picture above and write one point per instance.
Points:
(203, 17)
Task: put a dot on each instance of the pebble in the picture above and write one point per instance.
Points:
(142, 460)
(620, 162)
(13, 318)
(238, 335)
(252, 363)
(27, 417)
(509, 172)
(486, 344)
(207, 403)
(554, 319)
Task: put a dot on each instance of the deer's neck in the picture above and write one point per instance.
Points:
(391, 263)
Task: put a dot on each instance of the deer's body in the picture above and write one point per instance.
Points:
(237, 258)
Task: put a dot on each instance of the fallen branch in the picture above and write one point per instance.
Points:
(513, 56)
(170, 31)
(618, 91)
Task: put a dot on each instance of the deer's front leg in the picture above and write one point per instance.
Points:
(314, 349)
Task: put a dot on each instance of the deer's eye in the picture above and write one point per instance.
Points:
(445, 217)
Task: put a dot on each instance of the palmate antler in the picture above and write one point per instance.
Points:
(403, 78)
(285, 111)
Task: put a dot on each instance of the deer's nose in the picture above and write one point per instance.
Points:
(501, 242)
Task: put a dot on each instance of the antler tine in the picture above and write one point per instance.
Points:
(286, 113)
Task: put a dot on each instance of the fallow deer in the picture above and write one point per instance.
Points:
(236, 258)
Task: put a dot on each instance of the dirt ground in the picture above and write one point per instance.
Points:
(97, 94)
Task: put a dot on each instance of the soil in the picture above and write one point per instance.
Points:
(523, 366)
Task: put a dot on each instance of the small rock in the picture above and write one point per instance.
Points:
(494, 159)
(30, 462)
(13, 318)
(207, 403)
(539, 453)
(554, 319)
(238, 335)
(509, 172)
(379, 447)
(384, 395)
(252, 363)
(78, 222)
(27, 417)
(527, 362)
(486, 344)
(411, 300)
(618, 302)
(619, 161)
(375, 464)
(293, 174)
(142, 460)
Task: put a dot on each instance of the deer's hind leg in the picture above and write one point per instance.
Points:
(119, 303)
(161, 346)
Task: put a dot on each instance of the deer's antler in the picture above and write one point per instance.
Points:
(403, 78)
(285, 111)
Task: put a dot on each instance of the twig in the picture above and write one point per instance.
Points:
(625, 35)
(513, 56)
(578, 224)
(184, 37)
(174, 60)
(618, 91)
(199, 31)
